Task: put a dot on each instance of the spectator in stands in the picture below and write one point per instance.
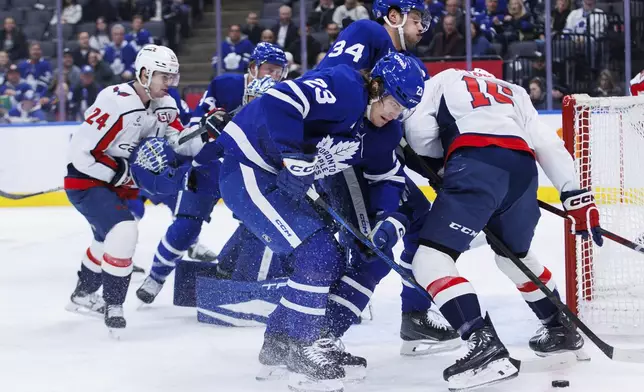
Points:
(490, 18)
(175, 14)
(102, 72)
(538, 69)
(70, 70)
(84, 95)
(13, 83)
(56, 92)
(481, 46)
(322, 15)
(606, 86)
(452, 8)
(285, 31)
(537, 93)
(293, 69)
(320, 57)
(252, 29)
(71, 14)
(481, 5)
(13, 41)
(36, 70)
(560, 15)
(268, 36)
(94, 9)
(27, 109)
(138, 37)
(449, 43)
(435, 7)
(332, 32)
(80, 53)
(313, 48)
(350, 10)
(120, 55)
(101, 38)
(517, 25)
(587, 19)
(4, 65)
(235, 51)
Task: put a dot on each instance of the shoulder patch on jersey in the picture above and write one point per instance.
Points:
(120, 93)
(332, 157)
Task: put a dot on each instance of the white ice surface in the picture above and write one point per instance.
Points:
(43, 348)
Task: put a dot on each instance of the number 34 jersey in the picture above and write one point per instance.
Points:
(114, 125)
(474, 109)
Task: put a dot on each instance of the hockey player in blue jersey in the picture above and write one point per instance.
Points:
(193, 204)
(399, 27)
(271, 161)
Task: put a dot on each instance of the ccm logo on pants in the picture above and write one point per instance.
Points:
(463, 229)
(283, 227)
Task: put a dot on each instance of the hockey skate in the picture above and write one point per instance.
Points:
(201, 253)
(558, 338)
(426, 333)
(88, 304)
(355, 367)
(273, 356)
(313, 368)
(487, 362)
(149, 290)
(114, 320)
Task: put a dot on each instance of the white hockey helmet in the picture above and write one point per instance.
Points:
(156, 58)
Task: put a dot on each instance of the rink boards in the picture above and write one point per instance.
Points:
(33, 157)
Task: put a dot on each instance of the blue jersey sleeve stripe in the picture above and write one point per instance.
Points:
(388, 176)
(236, 133)
(285, 98)
(296, 89)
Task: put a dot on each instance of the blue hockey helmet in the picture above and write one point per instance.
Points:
(381, 9)
(266, 52)
(257, 87)
(402, 78)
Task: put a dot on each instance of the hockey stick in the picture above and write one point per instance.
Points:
(610, 235)
(614, 353)
(201, 130)
(527, 366)
(20, 196)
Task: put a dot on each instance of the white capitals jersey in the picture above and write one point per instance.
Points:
(474, 109)
(115, 124)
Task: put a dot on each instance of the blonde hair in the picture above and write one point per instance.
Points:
(521, 5)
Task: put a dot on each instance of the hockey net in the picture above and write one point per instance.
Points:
(605, 286)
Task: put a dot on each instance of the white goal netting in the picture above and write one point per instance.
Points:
(608, 139)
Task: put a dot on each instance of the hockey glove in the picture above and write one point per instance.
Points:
(389, 230)
(122, 177)
(583, 213)
(298, 174)
(215, 121)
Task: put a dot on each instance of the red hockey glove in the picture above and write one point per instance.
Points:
(583, 213)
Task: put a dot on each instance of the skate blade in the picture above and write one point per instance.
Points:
(301, 383)
(416, 348)
(82, 310)
(547, 364)
(493, 373)
(581, 355)
(115, 333)
(272, 373)
(354, 374)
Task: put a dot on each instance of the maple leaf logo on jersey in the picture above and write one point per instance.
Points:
(332, 157)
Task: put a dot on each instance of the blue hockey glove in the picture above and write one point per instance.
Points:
(389, 230)
(298, 174)
(583, 213)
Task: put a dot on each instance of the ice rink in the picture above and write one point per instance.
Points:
(43, 348)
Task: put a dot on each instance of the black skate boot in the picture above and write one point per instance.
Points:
(426, 333)
(82, 302)
(137, 270)
(149, 290)
(312, 368)
(273, 356)
(355, 367)
(114, 319)
(486, 362)
(561, 336)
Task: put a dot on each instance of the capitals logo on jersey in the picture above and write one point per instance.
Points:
(332, 157)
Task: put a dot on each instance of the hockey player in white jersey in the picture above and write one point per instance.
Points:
(490, 137)
(98, 181)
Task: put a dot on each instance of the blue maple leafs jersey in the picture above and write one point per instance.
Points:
(361, 45)
(296, 116)
(225, 91)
